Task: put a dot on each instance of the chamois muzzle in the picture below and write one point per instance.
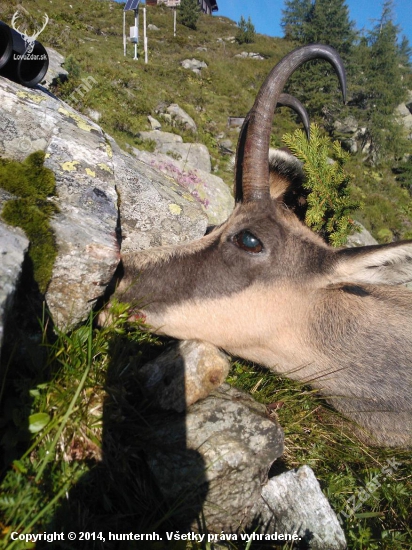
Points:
(251, 166)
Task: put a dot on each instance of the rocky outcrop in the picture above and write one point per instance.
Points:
(91, 171)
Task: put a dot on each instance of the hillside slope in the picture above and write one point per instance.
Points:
(123, 91)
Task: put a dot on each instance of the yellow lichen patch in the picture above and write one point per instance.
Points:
(109, 150)
(91, 173)
(70, 165)
(47, 155)
(188, 197)
(81, 123)
(175, 209)
(33, 97)
(104, 167)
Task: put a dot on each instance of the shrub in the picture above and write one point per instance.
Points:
(246, 33)
(189, 13)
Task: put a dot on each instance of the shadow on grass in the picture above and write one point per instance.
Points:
(123, 462)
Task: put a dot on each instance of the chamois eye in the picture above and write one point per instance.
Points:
(247, 241)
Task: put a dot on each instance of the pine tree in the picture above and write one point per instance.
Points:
(189, 13)
(330, 204)
(295, 16)
(246, 32)
(382, 85)
(327, 22)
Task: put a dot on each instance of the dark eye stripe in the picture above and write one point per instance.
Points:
(247, 241)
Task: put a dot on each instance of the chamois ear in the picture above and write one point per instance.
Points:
(389, 264)
(286, 177)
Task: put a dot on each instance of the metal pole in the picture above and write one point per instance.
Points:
(174, 21)
(124, 32)
(136, 24)
(144, 35)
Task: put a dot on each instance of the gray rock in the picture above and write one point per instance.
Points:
(13, 247)
(235, 121)
(361, 238)
(211, 192)
(222, 455)
(193, 65)
(252, 55)
(294, 503)
(55, 72)
(197, 367)
(155, 210)
(94, 115)
(155, 124)
(195, 155)
(180, 117)
(226, 146)
(347, 126)
(161, 137)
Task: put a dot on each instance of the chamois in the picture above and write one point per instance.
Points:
(264, 287)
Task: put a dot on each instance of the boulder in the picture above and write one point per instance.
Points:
(211, 192)
(91, 171)
(197, 367)
(13, 248)
(180, 117)
(193, 65)
(220, 453)
(154, 124)
(196, 155)
(293, 502)
(361, 237)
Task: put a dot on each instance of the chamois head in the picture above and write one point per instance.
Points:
(264, 287)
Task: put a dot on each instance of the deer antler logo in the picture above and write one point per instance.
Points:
(29, 40)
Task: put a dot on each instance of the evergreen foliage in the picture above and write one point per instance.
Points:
(32, 183)
(294, 20)
(381, 85)
(323, 21)
(330, 205)
(189, 13)
(246, 32)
